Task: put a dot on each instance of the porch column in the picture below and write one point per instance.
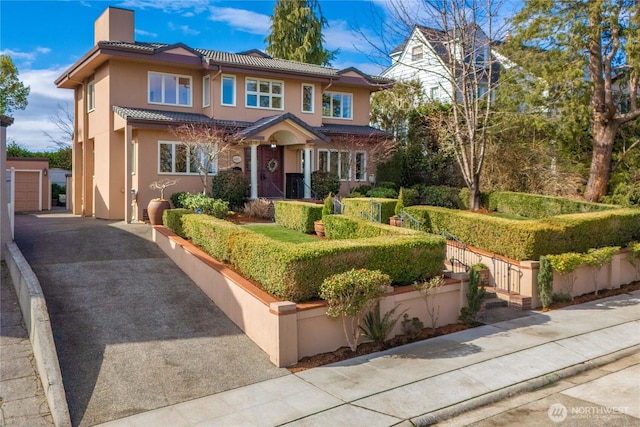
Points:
(254, 171)
(128, 137)
(307, 172)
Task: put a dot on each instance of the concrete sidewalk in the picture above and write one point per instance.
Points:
(428, 381)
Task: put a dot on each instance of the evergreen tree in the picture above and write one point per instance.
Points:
(296, 32)
(13, 93)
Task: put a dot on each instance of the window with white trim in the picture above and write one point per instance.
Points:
(176, 158)
(307, 98)
(266, 94)
(337, 105)
(206, 91)
(338, 162)
(228, 91)
(361, 166)
(91, 96)
(169, 89)
(416, 53)
(434, 93)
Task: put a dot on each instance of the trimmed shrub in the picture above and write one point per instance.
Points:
(342, 227)
(355, 206)
(537, 206)
(230, 185)
(298, 216)
(172, 219)
(464, 194)
(439, 195)
(295, 272)
(214, 236)
(201, 203)
(382, 192)
(323, 183)
(399, 204)
(529, 239)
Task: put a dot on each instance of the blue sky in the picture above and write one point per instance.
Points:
(45, 37)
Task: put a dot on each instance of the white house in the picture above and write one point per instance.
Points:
(432, 56)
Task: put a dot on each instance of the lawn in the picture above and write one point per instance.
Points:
(282, 234)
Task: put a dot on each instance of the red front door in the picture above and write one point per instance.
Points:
(270, 177)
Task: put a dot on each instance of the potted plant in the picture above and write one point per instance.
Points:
(396, 219)
(327, 209)
(158, 205)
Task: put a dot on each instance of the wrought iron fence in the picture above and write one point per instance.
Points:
(375, 212)
(409, 221)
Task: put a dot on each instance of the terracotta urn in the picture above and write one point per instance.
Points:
(318, 226)
(396, 221)
(155, 208)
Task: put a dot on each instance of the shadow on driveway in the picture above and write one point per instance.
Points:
(132, 331)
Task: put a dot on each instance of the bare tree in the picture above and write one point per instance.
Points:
(378, 148)
(203, 145)
(63, 120)
(460, 36)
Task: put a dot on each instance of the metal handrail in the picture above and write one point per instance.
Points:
(338, 206)
(314, 195)
(410, 222)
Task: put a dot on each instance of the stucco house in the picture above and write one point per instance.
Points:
(429, 55)
(130, 96)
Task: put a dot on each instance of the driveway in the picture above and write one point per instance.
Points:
(132, 331)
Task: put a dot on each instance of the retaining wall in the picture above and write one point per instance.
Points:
(38, 324)
(286, 331)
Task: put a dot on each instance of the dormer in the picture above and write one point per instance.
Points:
(114, 24)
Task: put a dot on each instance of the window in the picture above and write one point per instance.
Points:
(416, 53)
(206, 91)
(228, 91)
(361, 166)
(307, 98)
(336, 105)
(169, 89)
(434, 93)
(175, 158)
(338, 162)
(91, 96)
(264, 94)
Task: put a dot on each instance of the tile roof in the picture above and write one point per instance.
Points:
(247, 129)
(267, 122)
(246, 59)
(335, 129)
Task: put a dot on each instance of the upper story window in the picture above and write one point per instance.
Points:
(175, 158)
(307, 98)
(206, 91)
(434, 93)
(337, 105)
(228, 91)
(416, 53)
(91, 96)
(264, 94)
(169, 89)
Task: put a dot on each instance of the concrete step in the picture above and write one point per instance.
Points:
(494, 302)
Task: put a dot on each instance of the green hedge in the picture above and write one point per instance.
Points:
(341, 227)
(298, 216)
(354, 206)
(172, 219)
(295, 272)
(530, 239)
(214, 236)
(536, 206)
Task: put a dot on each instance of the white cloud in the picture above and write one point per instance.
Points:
(338, 35)
(168, 6)
(241, 19)
(146, 33)
(186, 30)
(24, 59)
(30, 124)
(44, 50)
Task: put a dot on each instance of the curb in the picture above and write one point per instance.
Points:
(522, 387)
(36, 318)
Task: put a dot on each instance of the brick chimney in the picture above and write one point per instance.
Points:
(114, 24)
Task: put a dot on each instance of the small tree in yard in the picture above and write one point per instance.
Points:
(429, 289)
(204, 144)
(475, 296)
(598, 258)
(349, 295)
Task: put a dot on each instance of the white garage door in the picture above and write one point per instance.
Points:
(27, 191)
